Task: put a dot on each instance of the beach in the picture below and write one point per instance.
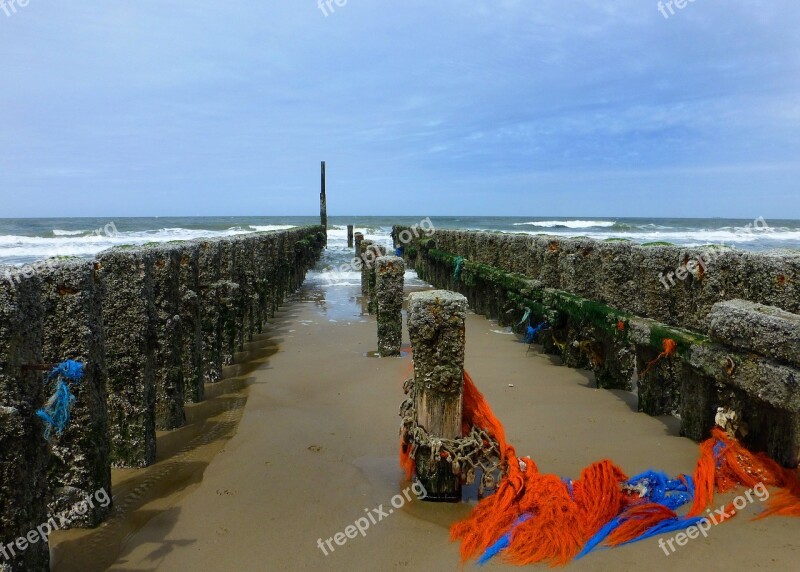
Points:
(312, 442)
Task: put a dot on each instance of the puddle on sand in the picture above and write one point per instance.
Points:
(375, 354)
(183, 455)
(385, 479)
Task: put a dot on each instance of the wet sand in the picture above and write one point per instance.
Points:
(316, 444)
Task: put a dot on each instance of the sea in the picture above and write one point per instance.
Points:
(24, 241)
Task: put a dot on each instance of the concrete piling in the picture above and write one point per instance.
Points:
(436, 326)
(151, 324)
(191, 321)
(612, 306)
(389, 302)
(79, 465)
(24, 485)
(130, 318)
(208, 277)
(228, 299)
(169, 380)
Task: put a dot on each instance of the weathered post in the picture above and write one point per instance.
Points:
(436, 325)
(349, 236)
(129, 317)
(169, 375)
(362, 259)
(389, 297)
(71, 299)
(371, 256)
(357, 238)
(191, 322)
(24, 456)
(323, 205)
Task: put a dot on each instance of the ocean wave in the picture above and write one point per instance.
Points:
(25, 249)
(695, 237)
(568, 223)
(57, 232)
(268, 227)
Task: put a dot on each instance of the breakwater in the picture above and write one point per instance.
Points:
(152, 325)
(720, 338)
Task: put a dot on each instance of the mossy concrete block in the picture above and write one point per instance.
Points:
(24, 486)
(169, 380)
(763, 329)
(760, 378)
(390, 271)
(618, 285)
(80, 465)
(629, 276)
(580, 267)
(130, 326)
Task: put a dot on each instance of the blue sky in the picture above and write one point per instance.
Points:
(463, 107)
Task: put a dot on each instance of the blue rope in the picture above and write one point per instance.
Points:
(503, 542)
(530, 336)
(459, 265)
(56, 411)
(658, 488)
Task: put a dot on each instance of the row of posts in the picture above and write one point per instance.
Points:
(437, 330)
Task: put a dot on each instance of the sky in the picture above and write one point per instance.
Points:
(445, 107)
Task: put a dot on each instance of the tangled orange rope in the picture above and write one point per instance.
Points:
(565, 516)
(669, 350)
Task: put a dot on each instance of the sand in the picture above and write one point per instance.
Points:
(296, 446)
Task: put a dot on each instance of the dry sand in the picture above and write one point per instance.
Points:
(317, 441)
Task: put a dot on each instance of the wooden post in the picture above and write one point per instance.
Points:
(436, 325)
(371, 257)
(389, 303)
(362, 257)
(349, 236)
(357, 238)
(323, 205)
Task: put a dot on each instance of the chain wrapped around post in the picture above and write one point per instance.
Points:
(467, 455)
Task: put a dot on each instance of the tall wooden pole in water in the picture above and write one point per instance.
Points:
(323, 205)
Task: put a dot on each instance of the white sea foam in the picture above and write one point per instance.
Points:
(268, 227)
(17, 250)
(568, 223)
(57, 232)
(695, 237)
